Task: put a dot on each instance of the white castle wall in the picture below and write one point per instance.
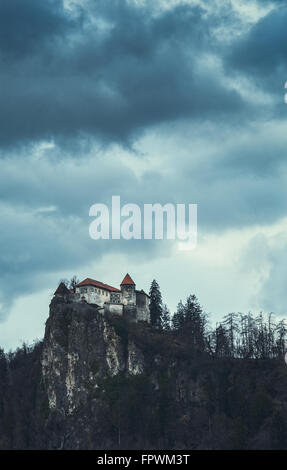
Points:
(93, 295)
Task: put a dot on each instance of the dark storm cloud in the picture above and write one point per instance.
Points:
(110, 76)
(25, 25)
(261, 54)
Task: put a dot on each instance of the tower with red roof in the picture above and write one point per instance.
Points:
(128, 290)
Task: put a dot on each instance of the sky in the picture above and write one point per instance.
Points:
(158, 102)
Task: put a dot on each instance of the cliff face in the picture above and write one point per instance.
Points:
(102, 373)
(101, 382)
(80, 347)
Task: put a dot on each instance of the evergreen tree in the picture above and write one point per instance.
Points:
(178, 317)
(155, 306)
(195, 322)
(221, 342)
(166, 320)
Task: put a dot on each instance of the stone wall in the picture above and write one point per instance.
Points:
(114, 308)
(142, 302)
(128, 295)
(93, 295)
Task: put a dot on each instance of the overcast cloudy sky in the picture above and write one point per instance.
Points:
(155, 101)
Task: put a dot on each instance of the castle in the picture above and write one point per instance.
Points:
(126, 301)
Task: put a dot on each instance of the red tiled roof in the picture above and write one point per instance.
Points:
(127, 281)
(101, 285)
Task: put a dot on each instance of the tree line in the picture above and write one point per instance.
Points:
(238, 335)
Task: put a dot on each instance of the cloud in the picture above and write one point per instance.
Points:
(260, 54)
(236, 176)
(26, 27)
(266, 254)
(110, 75)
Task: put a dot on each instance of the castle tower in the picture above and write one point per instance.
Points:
(128, 289)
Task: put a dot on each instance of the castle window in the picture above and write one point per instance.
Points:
(115, 298)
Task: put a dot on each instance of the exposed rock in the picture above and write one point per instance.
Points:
(81, 345)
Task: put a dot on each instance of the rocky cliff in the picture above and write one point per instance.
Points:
(101, 382)
(81, 346)
(89, 362)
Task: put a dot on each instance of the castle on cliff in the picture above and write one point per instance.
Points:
(126, 301)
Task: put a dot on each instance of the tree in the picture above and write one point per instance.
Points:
(195, 322)
(155, 306)
(190, 321)
(261, 341)
(221, 343)
(73, 283)
(248, 333)
(165, 318)
(281, 330)
(230, 323)
(271, 336)
(178, 317)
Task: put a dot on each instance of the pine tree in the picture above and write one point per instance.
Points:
(195, 322)
(178, 317)
(155, 306)
(221, 342)
(166, 320)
